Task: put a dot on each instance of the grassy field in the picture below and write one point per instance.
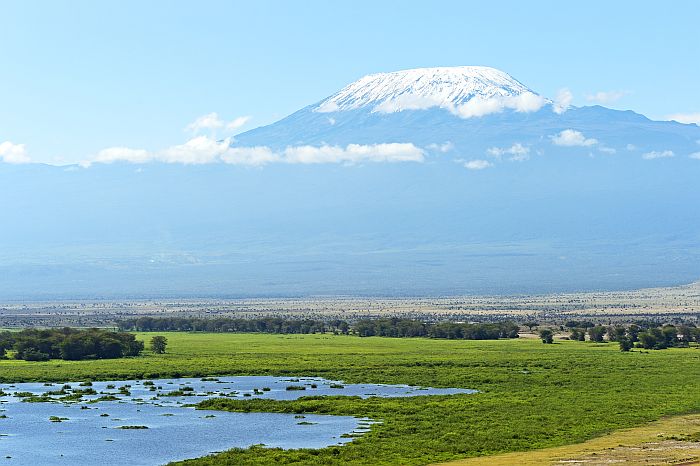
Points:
(672, 440)
(532, 395)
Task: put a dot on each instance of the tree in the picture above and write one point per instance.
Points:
(596, 333)
(647, 340)
(158, 344)
(616, 333)
(633, 332)
(531, 325)
(625, 344)
(547, 336)
(578, 334)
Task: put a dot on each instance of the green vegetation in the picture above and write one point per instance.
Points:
(392, 327)
(531, 395)
(547, 336)
(69, 344)
(295, 387)
(158, 344)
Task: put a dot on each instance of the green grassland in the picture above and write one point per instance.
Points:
(531, 395)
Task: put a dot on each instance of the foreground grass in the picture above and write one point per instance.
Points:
(532, 395)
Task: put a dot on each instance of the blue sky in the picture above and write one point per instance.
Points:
(79, 76)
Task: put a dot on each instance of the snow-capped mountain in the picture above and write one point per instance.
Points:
(430, 181)
(424, 88)
(472, 109)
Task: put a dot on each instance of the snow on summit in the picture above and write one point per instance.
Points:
(466, 91)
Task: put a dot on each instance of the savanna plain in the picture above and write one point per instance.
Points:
(532, 398)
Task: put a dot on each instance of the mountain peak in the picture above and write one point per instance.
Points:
(418, 88)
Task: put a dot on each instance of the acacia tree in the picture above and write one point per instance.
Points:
(625, 344)
(531, 324)
(597, 333)
(547, 336)
(158, 344)
(578, 334)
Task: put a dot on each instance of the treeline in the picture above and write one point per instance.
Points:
(223, 324)
(69, 344)
(389, 327)
(644, 334)
(402, 328)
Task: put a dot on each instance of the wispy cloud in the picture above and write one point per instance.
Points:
(444, 147)
(517, 151)
(13, 153)
(606, 97)
(572, 138)
(562, 102)
(126, 154)
(329, 106)
(658, 155)
(203, 150)
(212, 121)
(695, 155)
(237, 123)
(407, 102)
(477, 164)
(686, 118)
(607, 150)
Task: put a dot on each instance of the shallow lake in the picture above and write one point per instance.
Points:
(64, 431)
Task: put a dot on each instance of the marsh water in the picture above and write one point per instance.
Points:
(148, 422)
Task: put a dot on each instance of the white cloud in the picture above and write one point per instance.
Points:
(444, 147)
(518, 151)
(256, 156)
(202, 150)
(607, 150)
(631, 147)
(686, 118)
(125, 154)
(695, 155)
(211, 121)
(196, 151)
(13, 153)
(606, 97)
(477, 164)
(237, 123)
(563, 101)
(572, 138)
(328, 106)
(658, 155)
(354, 153)
(477, 107)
